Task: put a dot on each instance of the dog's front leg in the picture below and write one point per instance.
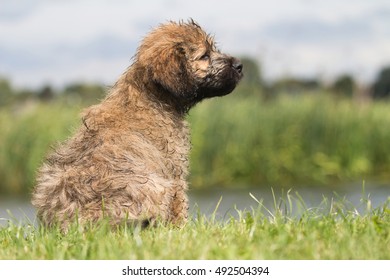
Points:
(179, 207)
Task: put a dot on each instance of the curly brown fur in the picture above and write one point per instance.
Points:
(129, 159)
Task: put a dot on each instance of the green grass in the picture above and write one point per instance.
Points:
(334, 230)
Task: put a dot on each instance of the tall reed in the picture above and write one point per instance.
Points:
(26, 136)
(293, 139)
(304, 139)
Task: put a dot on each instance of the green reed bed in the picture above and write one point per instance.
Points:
(26, 136)
(309, 139)
(297, 139)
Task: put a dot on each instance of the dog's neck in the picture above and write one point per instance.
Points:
(144, 87)
(148, 95)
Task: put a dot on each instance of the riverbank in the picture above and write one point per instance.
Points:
(223, 203)
(338, 233)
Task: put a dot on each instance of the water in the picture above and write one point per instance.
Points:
(231, 200)
(16, 209)
(312, 197)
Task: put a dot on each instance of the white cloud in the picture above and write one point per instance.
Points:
(60, 41)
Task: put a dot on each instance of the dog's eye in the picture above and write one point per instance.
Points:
(204, 57)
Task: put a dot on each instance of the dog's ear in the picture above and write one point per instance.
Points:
(170, 70)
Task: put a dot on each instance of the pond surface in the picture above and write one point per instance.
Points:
(301, 198)
(225, 202)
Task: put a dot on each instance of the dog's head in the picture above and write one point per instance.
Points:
(182, 61)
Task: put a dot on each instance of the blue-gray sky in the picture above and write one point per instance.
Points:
(58, 42)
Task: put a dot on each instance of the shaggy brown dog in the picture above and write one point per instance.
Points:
(129, 159)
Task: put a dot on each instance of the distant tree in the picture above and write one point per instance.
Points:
(46, 93)
(295, 85)
(344, 86)
(86, 92)
(381, 87)
(251, 83)
(26, 94)
(6, 92)
(252, 75)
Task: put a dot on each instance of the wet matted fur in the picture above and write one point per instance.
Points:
(129, 158)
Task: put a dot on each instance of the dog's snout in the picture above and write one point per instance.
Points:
(237, 65)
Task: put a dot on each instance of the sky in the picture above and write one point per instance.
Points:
(58, 42)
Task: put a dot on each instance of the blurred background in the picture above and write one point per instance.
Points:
(312, 114)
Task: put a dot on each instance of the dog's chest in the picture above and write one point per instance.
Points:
(174, 148)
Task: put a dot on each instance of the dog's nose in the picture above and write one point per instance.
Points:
(237, 65)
